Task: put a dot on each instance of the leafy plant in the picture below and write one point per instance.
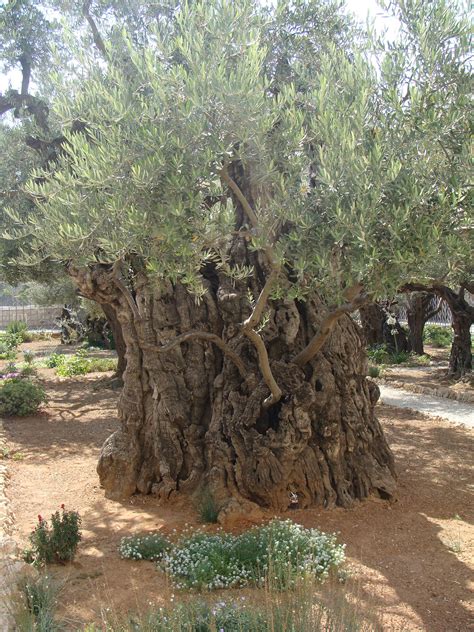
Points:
(54, 360)
(378, 354)
(58, 542)
(20, 397)
(150, 546)
(278, 554)
(79, 364)
(18, 328)
(438, 336)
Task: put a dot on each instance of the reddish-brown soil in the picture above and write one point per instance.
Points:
(412, 560)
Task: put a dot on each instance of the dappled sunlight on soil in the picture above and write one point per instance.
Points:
(411, 560)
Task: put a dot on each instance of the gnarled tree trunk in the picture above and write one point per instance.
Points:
(373, 317)
(420, 309)
(193, 415)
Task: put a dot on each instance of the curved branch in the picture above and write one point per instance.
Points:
(318, 340)
(117, 277)
(265, 368)
(208, 337)
(96, 36)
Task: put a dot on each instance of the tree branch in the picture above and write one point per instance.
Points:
(118, 280)
(234, 187)
(204, 335)
(255, 338)
(96, 36)
(318, 340)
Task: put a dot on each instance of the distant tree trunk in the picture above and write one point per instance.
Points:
(373, 317)
(377, 331)
(116, 328)
(419, 310)
(192, 415)
(460, 359)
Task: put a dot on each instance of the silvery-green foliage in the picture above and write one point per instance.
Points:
(358, 164)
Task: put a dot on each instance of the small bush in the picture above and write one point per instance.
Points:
(378, 354)
(151, 546)
(20, 397)
(58, 542)
(54, 360)
(207, 507)
(28, 370)
(277, 553)
(374, 371)
(18, 328)
(438, 336)
(8, 345)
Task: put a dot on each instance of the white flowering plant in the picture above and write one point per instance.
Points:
(277, 554)
(150, 546)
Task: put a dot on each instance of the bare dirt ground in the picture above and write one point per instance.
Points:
(412, 560)
(432, 378)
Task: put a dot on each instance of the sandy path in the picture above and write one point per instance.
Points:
(457, 412)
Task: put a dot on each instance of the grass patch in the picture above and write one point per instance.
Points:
(79, 364)
(34, 610)
(207, 507)
(302, 610)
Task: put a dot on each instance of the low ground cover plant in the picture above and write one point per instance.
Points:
(20, 396)
(277, 553)
(150, 546)
(381, 354)
(438, 336)
(79, 364)
(56, 542)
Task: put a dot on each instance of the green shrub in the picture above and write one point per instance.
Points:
(20, 397)
(18, 328)
(378, 354)
(438, 336)
(374, 371)
(8, 345)
(54, 360)
(207, 506)
(76, 364)
(150, 546)
(55, 543)
(277, 553)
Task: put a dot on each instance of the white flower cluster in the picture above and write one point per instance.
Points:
(279, 552)
(146, 547)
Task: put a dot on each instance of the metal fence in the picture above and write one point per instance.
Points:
(35, 317)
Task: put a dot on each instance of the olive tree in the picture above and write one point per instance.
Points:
(234, 215)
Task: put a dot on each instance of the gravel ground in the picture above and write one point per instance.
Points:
(458, 412)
